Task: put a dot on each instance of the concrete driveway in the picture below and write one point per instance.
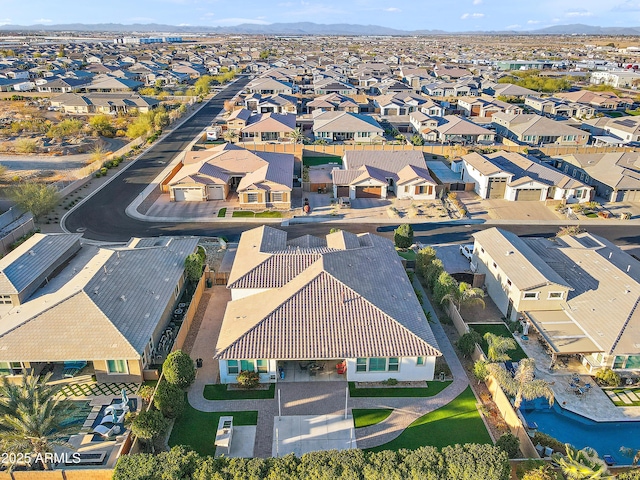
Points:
(452, 259)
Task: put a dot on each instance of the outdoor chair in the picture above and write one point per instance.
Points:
(107, 432)
(109, 418)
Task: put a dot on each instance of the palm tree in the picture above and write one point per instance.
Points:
(465, 295)
(581, 464)
(230, 136)
(297, 136)
(524, 385)
(498, 346)
(33, 416)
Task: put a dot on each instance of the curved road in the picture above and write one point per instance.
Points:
(102, 217)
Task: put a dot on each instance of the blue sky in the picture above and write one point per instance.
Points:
(452, 15)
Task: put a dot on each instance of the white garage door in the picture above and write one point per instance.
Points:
(631, 196)
(188, 194)
(216, 192)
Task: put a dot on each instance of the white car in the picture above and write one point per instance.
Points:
(467, 251)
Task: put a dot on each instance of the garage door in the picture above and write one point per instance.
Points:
(528, 195)
(216, 192)
(368, 192)
(631, 196)
(188, 194)
(343, 191)
(496, 187)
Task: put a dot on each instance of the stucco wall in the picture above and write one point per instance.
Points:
(408, 371)
(134, 376)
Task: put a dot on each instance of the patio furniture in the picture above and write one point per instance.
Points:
(548, 451)
(113, 418)
(106, 431)
(71, 369)
(609, 460)
(341, 368)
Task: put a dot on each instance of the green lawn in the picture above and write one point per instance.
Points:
(407, 254)
(269, 214)
(364, 417)
(502, 330)
(620, 403)
(243, 214)
(614, 114)
(456, 422)
(197, 429)
(220, 392)
(633, 112)
(222, 212)
(432, 388)
(313, 161)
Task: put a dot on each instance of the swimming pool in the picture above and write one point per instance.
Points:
(568, 427)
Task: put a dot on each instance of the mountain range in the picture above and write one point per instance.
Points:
(309, 28)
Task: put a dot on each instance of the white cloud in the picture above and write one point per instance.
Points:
(184, 24)
(533, 22)
(477, 2)
(512, 27)
(578, 12)
(239, 20)
(392, 9)
(43, 20)
(555, 20)
(5, 21)
(471, 15)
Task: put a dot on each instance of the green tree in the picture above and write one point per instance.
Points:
(178, 369)
(297, 136)
(417, 140)
(148, 425)
(26, 145)
(480, 370)
(33, 416)
(543, 472)
(230, 136)
(36, 198)
(403, 236)
(467, 342)
(445, 285)
(581, 464)
(633, 474)
(524, 385)
(101, 124)
(65, 128)
(497, 347)
(169, 399)
(193, 266)
(179, 463)
(424, 257)
(202, 85)
(140, 466)
(140, 127)
(465, 295)
(608, 377)
(510, 444)
(433, 272)
(160, 119)
(476, 462)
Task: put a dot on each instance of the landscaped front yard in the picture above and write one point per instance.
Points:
(250, 214)
(431, 389)
(365, 417)
(501, 330)
(456, 422)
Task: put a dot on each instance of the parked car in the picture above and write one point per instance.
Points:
(467, 251)
(344, 202)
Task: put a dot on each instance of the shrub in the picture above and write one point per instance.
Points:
(178, 369)
(432, 273)
(548, 441)
(146, 392)
(403, 236)
(445, 285)
(103, 171)
(169, 399)
(467, 342)
(390, 381)
(248, 379)
(608, 377)
(510, 444)
(480, 370)
(423, 258)
(193, 265)
(149, 424)
(543, 472)
(26, 145)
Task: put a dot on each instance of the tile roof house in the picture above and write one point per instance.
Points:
(531, 129)
(515, 177)
(374, 174)
(261, 127)
(627, 129)
(331, 102)
(110, 103)
(261, 179)
(279, 103)
(579, 292)
(321, 299)
(458, 129)
(108, 305)
(340, 126)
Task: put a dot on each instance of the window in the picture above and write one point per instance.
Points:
(406, 189)
(508, 282)
(556, 295)
(247, 365)
(252, 198)
(377, 364)
(5, 299)
(10, 368)
(618, 362)
(276, 196)
(117, 366)
(420, 361)
(232, 367)
(530, 295)
(361, 365)
(262, 366)
(495, 265)
(394, 364)
(176, 291)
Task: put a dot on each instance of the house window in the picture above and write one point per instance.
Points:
(530, 295)
(420, 361)
(495, 265)
(252, 198)
(10, 368)
(406, 189)
(247, 365)
(618, 362)
(361, 365)
(262, 366)
(378, 364)
(117, 366)
(556, 295)
(276, 196)
(232, 367)
(394, 364)
(5, 299)
(508, 282)
(176, 291)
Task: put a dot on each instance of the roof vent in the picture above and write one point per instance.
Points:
(32, 253)
(123, 298)
(509, 252)
(628, 268)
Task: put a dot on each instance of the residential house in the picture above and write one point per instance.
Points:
(63, 85)
(625, 129)
(260, 179)
(327, 85)
(556, 107)
(615, 176)
(601, 101)
(424, 125)
(333, 102)
(341, 126)
(615, 78)
(579, 292)
(403, 104)
(102, 84)
(107, 305)
(268, 127)
(110, 103)
(485, 108)
(515, 177)
(280, 103)
(507, 90)
(270, 86)
(459, 130)
(321, 300)
(531, 129)
(376, 174)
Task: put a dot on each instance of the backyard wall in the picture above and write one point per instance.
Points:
(76, 474)
(188, 317)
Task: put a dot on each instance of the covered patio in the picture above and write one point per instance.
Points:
(312, 370)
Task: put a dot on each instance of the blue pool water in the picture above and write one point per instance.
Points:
(607, 438)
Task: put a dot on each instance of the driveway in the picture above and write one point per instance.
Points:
(500, 209)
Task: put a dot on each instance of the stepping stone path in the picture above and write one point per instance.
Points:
(92, 389)
(632, 395)
(626, 400)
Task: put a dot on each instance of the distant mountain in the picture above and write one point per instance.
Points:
(307, 28)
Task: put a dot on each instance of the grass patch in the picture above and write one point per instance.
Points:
(633, 112)
(197, 429)
(591, 215)
(220, 392)
(407, 254)
(614, 114)
(222, 212)
(365, 417)
(620, 403)
(269, 214)
(311, 161)
(456, 422)
(501, 330)
(432, 388)
(243, 214)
